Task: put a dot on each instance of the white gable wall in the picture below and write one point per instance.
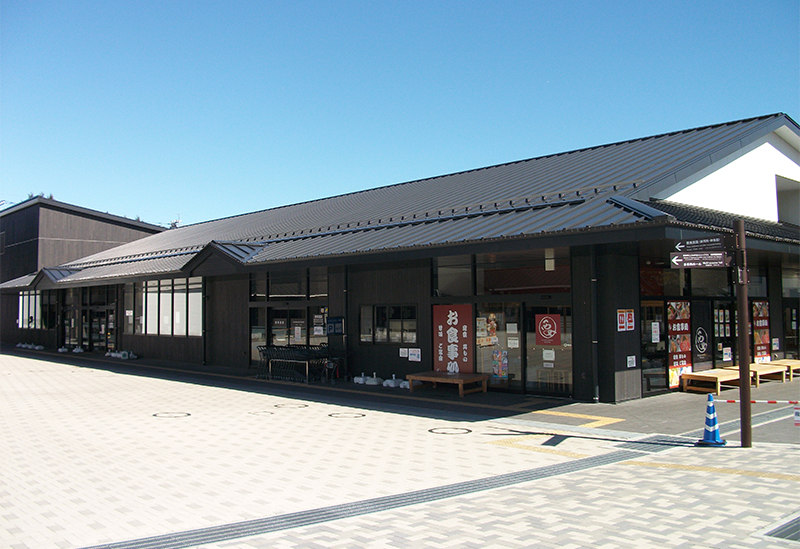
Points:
(750, 182)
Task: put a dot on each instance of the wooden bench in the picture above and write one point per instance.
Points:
(763, 369)
(791, 365)
(718, 377)
(446, 377)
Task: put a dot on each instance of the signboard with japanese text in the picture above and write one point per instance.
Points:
(679, 336)
(453, 337)
(548, 329)
(761, 341)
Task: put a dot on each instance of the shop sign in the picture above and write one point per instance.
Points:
(548, 329)
(452, 338)
(679, 336)
(626, 320)
(761, 340)
(699, 260)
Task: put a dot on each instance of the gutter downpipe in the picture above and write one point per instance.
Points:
(595, 342)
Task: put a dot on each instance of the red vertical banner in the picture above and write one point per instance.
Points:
(453, 338)
(761, 343)
(548, 329)
(679, 336)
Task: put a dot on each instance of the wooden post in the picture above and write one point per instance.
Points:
(743, 312)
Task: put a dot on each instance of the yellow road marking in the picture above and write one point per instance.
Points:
(599, 421)
(721, 470)
(515, 443)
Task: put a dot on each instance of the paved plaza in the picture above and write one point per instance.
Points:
(99, 455)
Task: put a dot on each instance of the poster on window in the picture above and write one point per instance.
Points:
(548, 329)
(452, 339)
(761, 341)
(679, 336)
(500, 364)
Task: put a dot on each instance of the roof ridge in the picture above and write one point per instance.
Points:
(493, 166)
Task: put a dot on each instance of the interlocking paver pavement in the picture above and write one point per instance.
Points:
(92, 457)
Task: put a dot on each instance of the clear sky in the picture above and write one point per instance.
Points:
(198, 109)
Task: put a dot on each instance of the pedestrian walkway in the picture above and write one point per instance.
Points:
(94, 456)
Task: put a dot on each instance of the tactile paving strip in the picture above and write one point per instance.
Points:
(255, 527)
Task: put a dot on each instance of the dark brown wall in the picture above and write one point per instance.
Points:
(406, 283)
(176, 349)
(20, 250)
(65, 236)
(227, 321)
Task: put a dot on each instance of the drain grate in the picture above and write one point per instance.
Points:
(216, 534)
(789, 531)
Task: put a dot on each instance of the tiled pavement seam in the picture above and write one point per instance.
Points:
(337, 512)
(629, 451)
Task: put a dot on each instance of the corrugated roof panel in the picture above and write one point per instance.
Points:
(648, 159)
(161, 266)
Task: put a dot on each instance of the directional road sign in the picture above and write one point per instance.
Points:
(708, 244)
(699, 260)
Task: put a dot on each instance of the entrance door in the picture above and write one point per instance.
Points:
(548, 357)
(654, 348)
(498, 341)
(790, 320)
(97, 331)
(724, 317)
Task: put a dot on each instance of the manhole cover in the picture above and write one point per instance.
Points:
(262, 413)
(449, 431)
(172, 414)
(346, 414)
(291, 405)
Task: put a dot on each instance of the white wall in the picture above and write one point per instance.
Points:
(747, 183)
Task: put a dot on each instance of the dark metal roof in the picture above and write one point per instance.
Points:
(583, 190)
(63, 206)
(715, 219)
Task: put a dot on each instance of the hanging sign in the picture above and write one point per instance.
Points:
(453, 335)
(548, 329)
(679, 336)
(761, 341)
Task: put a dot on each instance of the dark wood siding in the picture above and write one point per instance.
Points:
(406, 283)
(65, 236)
(227, 319)
(21, 244)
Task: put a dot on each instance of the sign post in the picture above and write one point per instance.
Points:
(740, 281)
(711, 252)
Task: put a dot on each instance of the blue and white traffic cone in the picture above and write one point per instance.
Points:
(711, 433)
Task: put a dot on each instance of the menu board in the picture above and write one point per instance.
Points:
(679, 336)
(761, 342)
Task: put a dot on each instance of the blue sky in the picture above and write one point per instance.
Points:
(201, 110)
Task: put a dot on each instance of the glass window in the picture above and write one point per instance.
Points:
(409, 324)
(756, 281)
(258, 332)
(195, 315)
(790, 278)
(543, 271)
(151, 305)
(258, 286)
(288, 285)
(366, 324)
(127, 312)
(710, 282)
(138, 308)
(166, 307)
(388, 324)
(318, 282)
(395, 324)
(179, 307)
(381, 324)
(452, 276)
